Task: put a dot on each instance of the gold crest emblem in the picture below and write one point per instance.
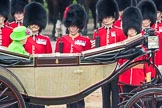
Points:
(57, 61)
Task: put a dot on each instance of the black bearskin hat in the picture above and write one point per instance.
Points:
(123, 4)
(132, 18)
(148, 9)
(35, 13)
(75, 15)
(106, 8)
(4, 8)
(158, 5)
(18, 6)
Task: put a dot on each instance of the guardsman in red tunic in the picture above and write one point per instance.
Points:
(74, 42)
(74, 45)
(5, 30)
(108, 34)
(132, 26)
(158, 27)
(107, 14)
(74, 19)
(149, 13)
(123, 4)
(35, 17)
(17, 12)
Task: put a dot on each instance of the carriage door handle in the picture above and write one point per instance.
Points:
(78, 71)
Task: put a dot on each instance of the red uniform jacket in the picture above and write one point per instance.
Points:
(5, 39)
(133, 76)
(38, 44)
(76, 45)
(118, 23)
(109, 35)
(157, 58)
(158, 28)
(15, 24)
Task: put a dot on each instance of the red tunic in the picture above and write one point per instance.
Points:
(159, 51)
(109, 35)
(38, 44)
(5, 39)
(158, 26)
(133, 76)
(15, 24)
(137, 74)
(118, 23)
(6, 23)
(158, 55)
(76, 45)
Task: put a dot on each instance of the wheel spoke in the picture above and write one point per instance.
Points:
(9, 95)
(137, 105)
(142, 103)
(2, 92)
(154, 100)
(148, 98)
(8, 104)
(2, 99)
(1, 83)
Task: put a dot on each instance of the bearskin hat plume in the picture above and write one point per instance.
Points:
(5, 8)
(75, 15)
(106, 8)
(35, 13)
(132, 18)
(18, 6)
(149, 10)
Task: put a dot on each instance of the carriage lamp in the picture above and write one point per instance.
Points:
(152, 41)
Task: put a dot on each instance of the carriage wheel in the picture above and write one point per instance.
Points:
(127, 97)
(9, 95)
(147, 98)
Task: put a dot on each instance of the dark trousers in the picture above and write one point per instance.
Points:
(127, 88)
(106, 94)
(79, 104)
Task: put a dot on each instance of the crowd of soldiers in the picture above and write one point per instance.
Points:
(120, 19)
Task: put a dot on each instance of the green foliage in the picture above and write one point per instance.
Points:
(74, 1)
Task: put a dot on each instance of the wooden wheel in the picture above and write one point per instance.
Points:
(147, 98)
(9, 95)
